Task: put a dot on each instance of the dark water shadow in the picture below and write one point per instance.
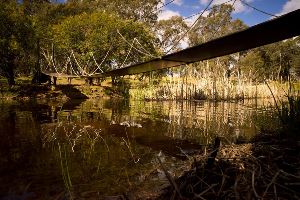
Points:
(71, 92)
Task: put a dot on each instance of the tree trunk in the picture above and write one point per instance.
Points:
(10, 76)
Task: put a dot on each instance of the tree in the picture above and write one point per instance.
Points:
(97, 33)
(218, 23)
(170, 31)
(16, 38)
(137, 10)
(274, 61)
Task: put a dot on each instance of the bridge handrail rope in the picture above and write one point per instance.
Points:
(83, 72)
(72, 68)
(98, 66)
(123, 38)
(53, 61)
(54, 66)
(128, 53)
(190, 27)
(50, 60)
(145, 50)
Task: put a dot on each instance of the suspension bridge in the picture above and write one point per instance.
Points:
(274, 30)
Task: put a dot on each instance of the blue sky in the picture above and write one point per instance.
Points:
(248, 15)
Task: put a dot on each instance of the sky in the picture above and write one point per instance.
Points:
(247, 14)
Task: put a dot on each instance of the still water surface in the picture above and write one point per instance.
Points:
(96, 148)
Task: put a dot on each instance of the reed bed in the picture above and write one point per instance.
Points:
(201, 87)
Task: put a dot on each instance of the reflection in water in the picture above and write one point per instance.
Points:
(95, 148)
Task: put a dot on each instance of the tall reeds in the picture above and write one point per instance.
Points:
(288, 109)
(203, 84)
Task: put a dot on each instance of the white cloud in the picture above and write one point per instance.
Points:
(239, 7)
(167, 14)
(178, 2)
(289, 6)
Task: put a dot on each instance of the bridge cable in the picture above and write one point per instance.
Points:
(128, 53)
(72, 67)
(217, 5)
(195, 14)
(53, 63)
(266, 13)
(123, 38)
(164, 5)
(98, 66)
(82, 70)
(190, 27)
(145, 50)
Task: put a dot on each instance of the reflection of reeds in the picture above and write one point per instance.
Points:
(202, 120)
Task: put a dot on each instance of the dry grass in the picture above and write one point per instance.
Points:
(204, 87)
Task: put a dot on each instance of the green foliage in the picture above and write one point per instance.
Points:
(97, 33)
(16, 38)
(218, 23)
(170, 31)
(275, 61)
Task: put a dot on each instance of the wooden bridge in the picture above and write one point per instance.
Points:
(277, 29)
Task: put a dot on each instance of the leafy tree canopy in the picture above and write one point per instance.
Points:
(100, 32)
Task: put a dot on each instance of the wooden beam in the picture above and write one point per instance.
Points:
(144, 67)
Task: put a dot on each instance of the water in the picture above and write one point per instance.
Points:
(96, 148)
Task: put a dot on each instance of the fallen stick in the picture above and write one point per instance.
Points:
(170, 178)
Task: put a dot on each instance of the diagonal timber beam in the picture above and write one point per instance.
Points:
(281, 28)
